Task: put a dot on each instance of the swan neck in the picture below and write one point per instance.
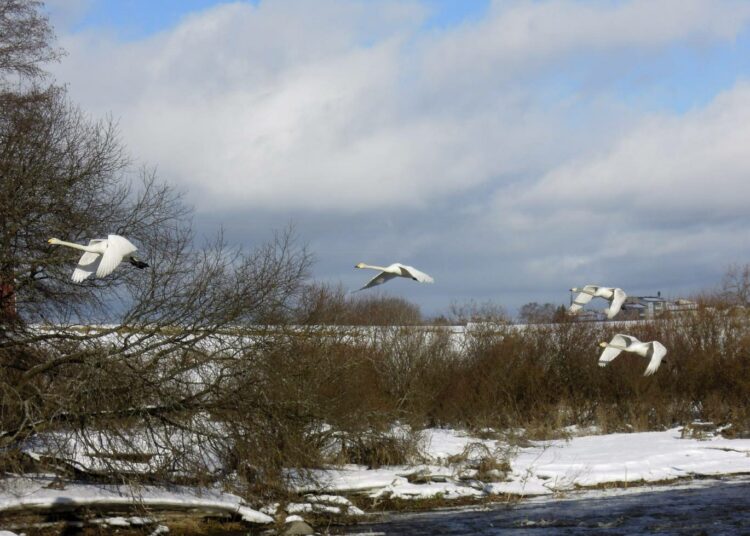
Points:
(76, 246)
(373, 267)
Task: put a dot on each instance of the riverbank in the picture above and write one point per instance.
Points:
(456, 469)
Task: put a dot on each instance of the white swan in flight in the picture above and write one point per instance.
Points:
(615, 296)
(102, 256)
(654, 351)
(394, 270)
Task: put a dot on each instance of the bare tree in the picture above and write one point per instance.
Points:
(735, 285)
(321, 303)
(535, 313)
(162, 359)
(326, 304)
(61, 176)
(26, 40)
(379, 310)
(473, 311)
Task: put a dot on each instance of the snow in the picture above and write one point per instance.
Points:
(543, 469)
(401, 488)
(306, 508)
(327, 504)
(330, 499)
(152, 448)
(112, 521)
(648, 456)
(441, 444)
(549, 467)
(32, 493)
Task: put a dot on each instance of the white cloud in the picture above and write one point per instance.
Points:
(471, 147)
(337, 105)
(665, 205)
(682, 168)
(518, 33)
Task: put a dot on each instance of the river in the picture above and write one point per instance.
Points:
(710, 507)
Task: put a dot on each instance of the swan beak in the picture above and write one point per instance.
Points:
(50, 241)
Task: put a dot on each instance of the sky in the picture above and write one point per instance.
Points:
(511, 149)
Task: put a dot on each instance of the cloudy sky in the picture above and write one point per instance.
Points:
(510, 148)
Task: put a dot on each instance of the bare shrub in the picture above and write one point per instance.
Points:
(411, 365)
(479, 462)
(376, 449)
(545, 377)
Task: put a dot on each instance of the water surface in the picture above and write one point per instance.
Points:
(711, 507)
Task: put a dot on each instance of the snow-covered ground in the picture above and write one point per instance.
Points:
(535, 469)
(41, 494)
(546, 467)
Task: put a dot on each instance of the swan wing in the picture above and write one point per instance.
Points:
(656, 351)
(88, 263)
(117, 248)
(382, 277)
(618, 299)
(624, 340)
(582, 298)
(416, 274)
(611, 352)
(608, 355)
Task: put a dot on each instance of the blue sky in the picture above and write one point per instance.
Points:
(512, 149)
(136, 19)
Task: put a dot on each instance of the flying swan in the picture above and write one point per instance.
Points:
(615, 296)
(394, 270)
(653, 350)
(102, 256)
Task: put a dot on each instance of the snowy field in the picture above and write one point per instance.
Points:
(549, 468)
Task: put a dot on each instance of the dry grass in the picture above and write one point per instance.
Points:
(375, 449)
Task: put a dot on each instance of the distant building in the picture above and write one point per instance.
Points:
(640, 308)
(589, 315)
(654, 306)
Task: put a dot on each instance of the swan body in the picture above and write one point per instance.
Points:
(394, 270)
(615, 296)
(654, 351)
(101, 256)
